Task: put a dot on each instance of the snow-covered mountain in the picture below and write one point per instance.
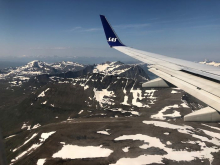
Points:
(212, 63)
(118, 68)
(21, 74)
(65, 66)
(111, 68)
(36, 67)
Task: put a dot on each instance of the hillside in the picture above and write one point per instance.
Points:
(99, 114)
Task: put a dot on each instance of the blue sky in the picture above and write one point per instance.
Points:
(63, 29)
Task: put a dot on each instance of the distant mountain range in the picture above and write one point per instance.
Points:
(21, 74)
(38, 67)
(212, 63)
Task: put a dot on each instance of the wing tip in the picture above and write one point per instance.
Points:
(111, 36)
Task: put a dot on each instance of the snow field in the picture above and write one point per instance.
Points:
(79, 152)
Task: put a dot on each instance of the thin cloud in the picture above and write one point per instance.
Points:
(92, 29)
(75, 28)
(195, 27)
(59, 48)
(50, 48)
(145, 32)
(184, 20)
(207, 26)
(132, 26)
(81, 29)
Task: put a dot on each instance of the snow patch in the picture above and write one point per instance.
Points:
(125, 102)
(172, 154)
(137, 94)
(42, 94)
(44, 136)
(86, 87)
(79, 152)
(45, 102)
(105, 132)
(168, 143)
(126, 149)
(41, 161)
(113, 68)
(161, 116)
(104, 96)
(29, 151)
(150, 93)
(33, 136)
(80, 112)
(36, 126)
(24, 126)
(173, 91)
(140, 160)
(10, 137)
(211, 127)
(184, 105)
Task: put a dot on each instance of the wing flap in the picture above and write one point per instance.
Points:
(206, 85)
(205, 96)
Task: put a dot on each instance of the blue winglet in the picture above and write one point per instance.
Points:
(111, 36)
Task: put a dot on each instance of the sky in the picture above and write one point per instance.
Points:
(55, 30)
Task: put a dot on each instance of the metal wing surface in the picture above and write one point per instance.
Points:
(199, 80)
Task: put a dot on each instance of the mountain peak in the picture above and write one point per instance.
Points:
(36, 64)
(212, 63)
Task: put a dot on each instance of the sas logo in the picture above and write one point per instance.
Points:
(112, 39)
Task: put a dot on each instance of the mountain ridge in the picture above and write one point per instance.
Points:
(101, 106)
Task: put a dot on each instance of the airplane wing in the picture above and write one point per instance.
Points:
(199, 80)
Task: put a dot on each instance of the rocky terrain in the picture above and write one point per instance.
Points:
(68, 113)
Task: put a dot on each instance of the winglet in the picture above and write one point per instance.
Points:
(111, 36)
